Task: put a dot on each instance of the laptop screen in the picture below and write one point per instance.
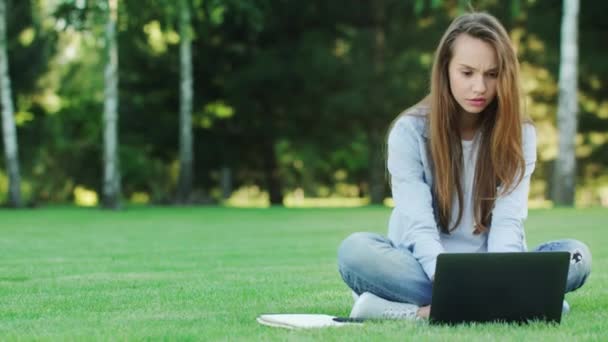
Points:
(508, 287)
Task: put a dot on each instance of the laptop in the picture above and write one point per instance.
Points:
(503, 287)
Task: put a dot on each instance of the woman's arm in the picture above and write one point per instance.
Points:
(510, 211)
(412, 196)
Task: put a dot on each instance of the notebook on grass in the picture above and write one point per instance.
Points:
(304, 321)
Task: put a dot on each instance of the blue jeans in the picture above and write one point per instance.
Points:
(370, 262)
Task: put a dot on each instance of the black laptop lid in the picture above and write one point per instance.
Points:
(509, 287)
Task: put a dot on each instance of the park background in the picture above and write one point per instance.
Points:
(266, 102)
(174, 115)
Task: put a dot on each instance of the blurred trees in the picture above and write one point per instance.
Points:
(293, 97)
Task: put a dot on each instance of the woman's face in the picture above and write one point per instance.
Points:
(473, 73)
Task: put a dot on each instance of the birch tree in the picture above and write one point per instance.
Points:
(111, 170)
(185, 105)
(564, 180)
(376, 128)
(9, 131)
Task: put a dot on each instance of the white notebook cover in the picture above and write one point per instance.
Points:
(301, 321)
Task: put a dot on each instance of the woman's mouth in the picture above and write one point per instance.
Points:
(479, 102)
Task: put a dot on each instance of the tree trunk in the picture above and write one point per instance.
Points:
(111, 174)
(271, 170)
(226, 182)
(185, 106)
(376, 138)
(9, 130)
(564, 174)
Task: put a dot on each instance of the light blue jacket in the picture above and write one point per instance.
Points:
(413, 222)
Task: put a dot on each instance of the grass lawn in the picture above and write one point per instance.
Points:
(206, 273)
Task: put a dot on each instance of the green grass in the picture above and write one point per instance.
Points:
(206, 273)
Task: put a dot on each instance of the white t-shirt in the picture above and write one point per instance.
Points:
(462, 239)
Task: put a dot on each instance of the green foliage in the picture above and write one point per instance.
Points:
(276, 84)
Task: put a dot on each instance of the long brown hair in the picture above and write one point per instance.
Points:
(500, 161)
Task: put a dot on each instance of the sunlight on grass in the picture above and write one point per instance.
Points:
(3, 186)
(248, 197)
(389, 202)
(140, 198)
(84, 197)
(540, 203)
(329, 202)
(254, 197)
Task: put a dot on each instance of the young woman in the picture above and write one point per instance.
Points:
(460, 163)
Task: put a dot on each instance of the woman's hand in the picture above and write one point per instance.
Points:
(424, 311)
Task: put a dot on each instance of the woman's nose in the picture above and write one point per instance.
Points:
(479, 85)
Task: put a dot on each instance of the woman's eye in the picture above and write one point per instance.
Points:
(493, 74)
(467, 73)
